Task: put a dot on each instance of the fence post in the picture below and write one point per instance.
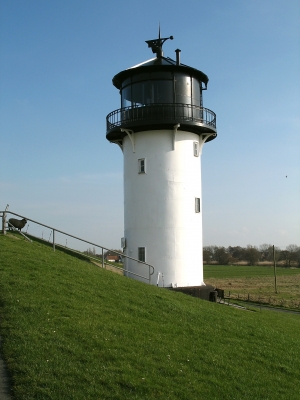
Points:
(102, 258)
(53, 239)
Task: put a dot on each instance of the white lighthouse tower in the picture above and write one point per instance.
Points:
(161, 128)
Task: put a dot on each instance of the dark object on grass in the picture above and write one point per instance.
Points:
(220, 293)
(17, 223)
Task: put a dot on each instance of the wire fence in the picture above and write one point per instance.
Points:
(59, 239)
(261, 300)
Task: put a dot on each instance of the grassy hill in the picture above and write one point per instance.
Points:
(71, 330)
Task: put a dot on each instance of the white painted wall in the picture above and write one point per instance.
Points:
(159, 206)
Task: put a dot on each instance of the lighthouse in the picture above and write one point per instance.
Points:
(161, 128)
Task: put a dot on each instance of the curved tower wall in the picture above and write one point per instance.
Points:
(159, 205)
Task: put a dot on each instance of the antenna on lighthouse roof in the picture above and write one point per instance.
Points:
(156, 44)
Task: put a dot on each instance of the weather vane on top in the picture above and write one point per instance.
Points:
(156, 44)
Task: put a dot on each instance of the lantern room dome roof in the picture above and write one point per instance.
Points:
(159, 64)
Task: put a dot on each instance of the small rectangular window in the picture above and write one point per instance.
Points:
(142, 166)
(142, 254)
(196, 149)
(197, 204)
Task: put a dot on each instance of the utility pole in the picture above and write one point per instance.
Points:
(274, 260)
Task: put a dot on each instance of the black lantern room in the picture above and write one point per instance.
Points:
(159, 94)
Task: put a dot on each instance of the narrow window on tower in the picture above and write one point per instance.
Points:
(196, 149)
(142, 254)
(142, 166)
(197, 204)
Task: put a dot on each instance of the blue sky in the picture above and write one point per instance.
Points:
(57, 62)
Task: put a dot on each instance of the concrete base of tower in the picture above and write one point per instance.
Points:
(204, 292)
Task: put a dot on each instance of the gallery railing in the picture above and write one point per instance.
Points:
(161, 112)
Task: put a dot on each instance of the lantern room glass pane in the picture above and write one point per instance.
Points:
(126, 97)
(162, 87)
(163, 91)
(183, 89)
(196, 92)
(183, 96)
(147, 92)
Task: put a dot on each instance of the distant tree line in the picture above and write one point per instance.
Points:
(251, 255)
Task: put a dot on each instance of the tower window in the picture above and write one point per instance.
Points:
(196, 149)
(142, 254)
(142, 166)
(197, 204)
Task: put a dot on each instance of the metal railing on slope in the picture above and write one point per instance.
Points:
(54, 230)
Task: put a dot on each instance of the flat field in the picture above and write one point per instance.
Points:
(257, 283)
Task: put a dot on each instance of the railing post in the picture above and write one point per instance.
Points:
(4, 220)
(4, 223)
(53, 239)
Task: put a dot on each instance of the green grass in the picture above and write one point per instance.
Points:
(71, 330)
(257, 283)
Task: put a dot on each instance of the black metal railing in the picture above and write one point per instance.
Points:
(160, 113)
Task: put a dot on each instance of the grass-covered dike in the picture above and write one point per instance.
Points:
(71, 330)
